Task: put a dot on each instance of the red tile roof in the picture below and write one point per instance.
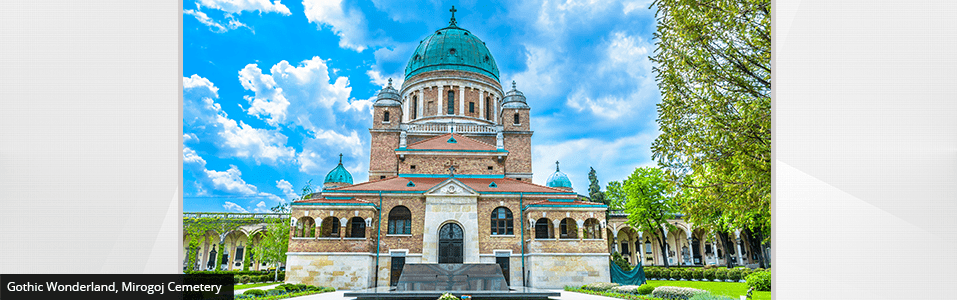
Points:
(332, 201)
(553, 202)
(442, 143)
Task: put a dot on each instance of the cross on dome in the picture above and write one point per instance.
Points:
(453, 10)
(556, 166)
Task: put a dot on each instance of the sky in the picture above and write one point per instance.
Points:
(274, 91)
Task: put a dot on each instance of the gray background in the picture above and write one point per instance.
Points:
(865, 123)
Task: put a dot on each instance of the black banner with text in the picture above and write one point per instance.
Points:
(116, 286)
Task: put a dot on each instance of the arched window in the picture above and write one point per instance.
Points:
(488, 108)
(502, 221)
(385, 116)
(568, 229)
(415, 107)
(451, 102)
(516, 120)
(592, 229)
(357, 227)
(543, 229)
(330, 227)
(400, 220)
(306, 227)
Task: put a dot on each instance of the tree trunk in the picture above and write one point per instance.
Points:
(664, 249)
(754, 241)
(725, 243)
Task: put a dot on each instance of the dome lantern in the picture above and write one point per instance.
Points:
(388, 96)
(338, 177)
(559, 180)
(514, 98)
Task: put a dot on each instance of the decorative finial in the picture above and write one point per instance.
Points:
(340, 158)
(556, 166)
(390, 81)
(513, 84)
(453, 10)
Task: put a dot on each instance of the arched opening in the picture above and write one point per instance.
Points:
(502, 222)
(400, 220)
(450, 244)
(385, 116)
(543, 229)
(330, 227)
(306, 227)
(568, 228)
(592, 229)
(488, 108)
(516, 120)
(357, 228)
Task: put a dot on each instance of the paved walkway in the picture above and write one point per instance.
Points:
(337, 295)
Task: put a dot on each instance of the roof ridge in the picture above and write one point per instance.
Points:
(535, 184)
(426, 140)
(364, 183)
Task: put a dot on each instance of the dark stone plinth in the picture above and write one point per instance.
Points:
(452, 277)
(430, 281)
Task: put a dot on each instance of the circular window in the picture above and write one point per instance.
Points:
(452, 51)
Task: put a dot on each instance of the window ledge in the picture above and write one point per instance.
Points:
(328, 238)
(503, 235)
(354, 238)
(302, 238)
(398, 234)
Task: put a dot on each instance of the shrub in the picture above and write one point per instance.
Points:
(686, 273)
(672, 292)
(448, 296)
(276, 291)
(709, 274)
(734, 274)
(625, 289)
(675, 273)
(244, 279)
(757, 270)
(760, 281)
(617, 259)
(599, 286)
(645, 289)
(706, 296)
(697, 274)
(254, 292)
(721, 274)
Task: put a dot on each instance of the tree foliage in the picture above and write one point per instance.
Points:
(594, 189)
(272, 247)
(649, 203)
(615, 196)
(714, 72)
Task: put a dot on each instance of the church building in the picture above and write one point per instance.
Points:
(450, 181)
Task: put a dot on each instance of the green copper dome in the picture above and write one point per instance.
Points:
(452, 48)
(558, 179)
(339, 174)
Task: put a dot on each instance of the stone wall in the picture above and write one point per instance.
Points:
(487, 242)
(343, 271)
(519, 148)
(555, 271)
(382, 159)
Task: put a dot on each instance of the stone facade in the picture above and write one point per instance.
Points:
(566, 269)
(341, 270)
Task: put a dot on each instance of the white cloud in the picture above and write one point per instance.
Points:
(216, 26)
(380, 80)
(220, 183)
(621, 79)
(320, 152)
(349, 24)
(229, 206)
(287, 189)
(261, 207)
(237, 139)
(238, 6)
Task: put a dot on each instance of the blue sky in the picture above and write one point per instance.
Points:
(274, 91)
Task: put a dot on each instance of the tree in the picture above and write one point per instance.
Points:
(649, 203)
(713, 67)
(615, 196)
(594, 190)
(272, 247)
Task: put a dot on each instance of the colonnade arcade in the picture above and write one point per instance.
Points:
(459, 97)
(227, 247)
(686, 246)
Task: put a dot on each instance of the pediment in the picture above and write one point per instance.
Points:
(451, 187)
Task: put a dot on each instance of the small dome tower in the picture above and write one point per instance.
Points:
(559, 180)
(338, 177)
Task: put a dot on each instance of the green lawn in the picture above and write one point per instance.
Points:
(253, 285)
(730, 289)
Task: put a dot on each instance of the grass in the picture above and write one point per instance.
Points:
(253, 285)
(730, 289)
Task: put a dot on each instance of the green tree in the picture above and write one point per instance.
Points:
(713, 67)
(272, 247)
(615, 196)
(649, 203)
(594, 190)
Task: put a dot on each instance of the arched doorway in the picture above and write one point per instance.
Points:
(450, 244)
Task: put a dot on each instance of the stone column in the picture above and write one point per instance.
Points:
(556, 229)
(342, 225)
(482, 104)
(738, 245)
(461, 93)
(495, 108)
(580, 230)
(441, 100)
(420, 97)
(531, 229)
(690, 250)
(615, 242)
(638, 247)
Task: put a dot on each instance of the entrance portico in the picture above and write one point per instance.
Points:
(448, 205)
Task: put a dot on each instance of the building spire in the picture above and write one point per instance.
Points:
(340, 158)
(390, 81)
(453, 10)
